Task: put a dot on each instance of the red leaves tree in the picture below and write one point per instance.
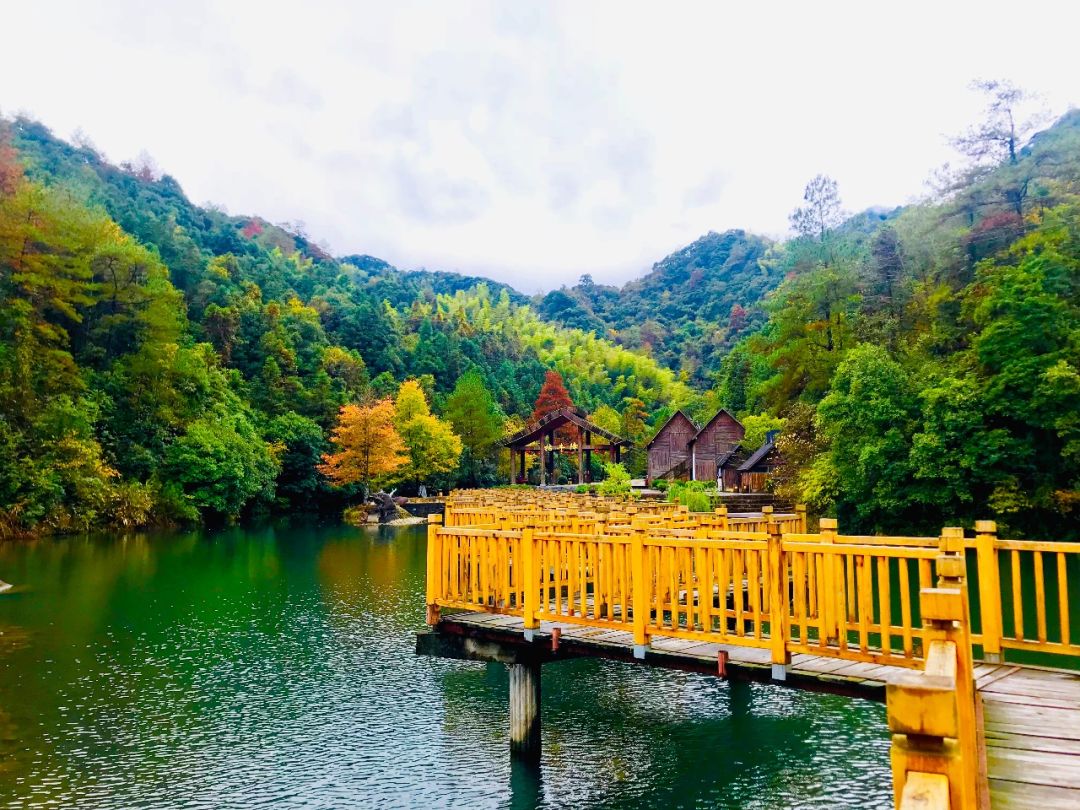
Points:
(737, 320)
(553, 396)
(11, 170)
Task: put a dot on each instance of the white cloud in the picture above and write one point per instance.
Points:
(531, 142)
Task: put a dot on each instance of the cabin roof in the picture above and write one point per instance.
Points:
(556, 420)
(757, 456)
(671, 419)
(725, 457)
(716, 416)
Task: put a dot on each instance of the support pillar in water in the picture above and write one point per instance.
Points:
(525, 710)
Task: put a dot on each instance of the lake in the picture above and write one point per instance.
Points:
(274, 667)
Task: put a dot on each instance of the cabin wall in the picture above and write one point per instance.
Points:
(753, 481)
(730, 479)
(729, 474)
(757, 478)
(717, 437)
(671, 446)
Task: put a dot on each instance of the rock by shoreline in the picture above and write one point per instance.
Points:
(404, 521)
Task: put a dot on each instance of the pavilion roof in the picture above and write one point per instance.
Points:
(555, 420)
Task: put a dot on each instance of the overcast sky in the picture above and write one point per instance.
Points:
(527, 142)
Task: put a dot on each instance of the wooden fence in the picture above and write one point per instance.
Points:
(766, 582)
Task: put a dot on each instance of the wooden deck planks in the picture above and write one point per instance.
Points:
(1031, 731)
(828, 670)
(1005, 795)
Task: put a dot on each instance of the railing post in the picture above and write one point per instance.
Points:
(932, 714)
(831, 608)
(721, 513)
(800, 513)
(530, 581)
(952, 574)
(989, 590)
(434, 568)
(778, 603)
(922, 715)
(639, 526)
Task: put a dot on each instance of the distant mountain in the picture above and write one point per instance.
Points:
(687, 311)
(402, 287)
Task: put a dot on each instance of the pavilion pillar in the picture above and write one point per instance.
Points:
(551, 458)
(580, 465)
(522, 460)
(618, 453)
(543, 460)
(588, 457)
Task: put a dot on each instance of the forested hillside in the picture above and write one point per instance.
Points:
(687, 312)
(160, 361)
(928, 368)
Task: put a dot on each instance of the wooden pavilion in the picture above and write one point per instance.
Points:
(540, 438)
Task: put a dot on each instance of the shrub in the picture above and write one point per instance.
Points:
(616, 480)
(691, 494)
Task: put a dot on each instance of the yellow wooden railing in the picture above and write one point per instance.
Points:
(656, 569)
(1023, 588)
(786, 593)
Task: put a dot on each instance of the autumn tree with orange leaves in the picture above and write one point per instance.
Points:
(369, 446)
(554, 397)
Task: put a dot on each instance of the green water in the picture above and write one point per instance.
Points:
(275, 668)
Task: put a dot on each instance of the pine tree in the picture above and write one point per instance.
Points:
(477, 419)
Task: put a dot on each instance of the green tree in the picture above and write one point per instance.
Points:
(302, 445)
(757, 427)
(616, 480)
(608, 418)
(477, 420)
(221, 464)
(868, 417)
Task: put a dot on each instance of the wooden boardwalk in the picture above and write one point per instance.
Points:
(897, 619)
(1031, 735)
(1030, 717)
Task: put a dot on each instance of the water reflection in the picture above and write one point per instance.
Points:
(275, 667)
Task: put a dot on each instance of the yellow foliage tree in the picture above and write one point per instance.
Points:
(369, 446)
(433, 446)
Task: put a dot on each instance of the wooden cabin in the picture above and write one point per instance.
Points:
(682, 450)
(754, 473)
(727, 468)
(718, 437)
(669, 449)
